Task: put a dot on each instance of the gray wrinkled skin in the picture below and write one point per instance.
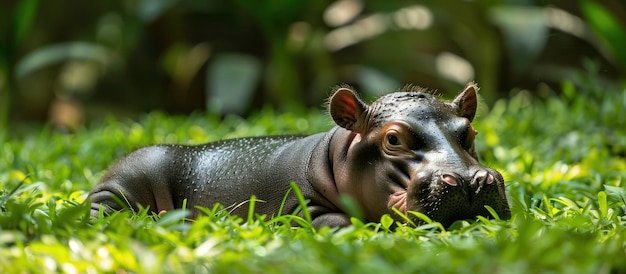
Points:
(407, 150)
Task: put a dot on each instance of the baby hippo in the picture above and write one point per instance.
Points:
(407, 150)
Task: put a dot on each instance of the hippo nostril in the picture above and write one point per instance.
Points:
(481, 179)
(490, 179)
(449, 179)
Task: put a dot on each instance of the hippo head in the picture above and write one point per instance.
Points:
(415, 153)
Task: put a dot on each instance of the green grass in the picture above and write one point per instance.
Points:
(563, 158)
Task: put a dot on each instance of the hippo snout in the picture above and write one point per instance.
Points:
(472, 187)
(451, 196)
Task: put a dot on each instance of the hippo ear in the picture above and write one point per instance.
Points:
(347, 109)
(466, 102)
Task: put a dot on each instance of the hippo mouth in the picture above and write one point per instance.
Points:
(399, 190)
(448, 197)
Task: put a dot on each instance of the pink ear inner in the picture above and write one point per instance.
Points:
(345, 108)
(348, 107)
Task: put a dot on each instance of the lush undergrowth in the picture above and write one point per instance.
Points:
(563, 158)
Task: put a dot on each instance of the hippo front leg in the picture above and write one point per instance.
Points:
(332, 220)
(325, 217)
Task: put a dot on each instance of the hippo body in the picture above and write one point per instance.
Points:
(162, 176)
(407, 150)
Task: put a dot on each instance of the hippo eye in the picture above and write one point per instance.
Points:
(467, 137)
(393, 140)
(397, 140)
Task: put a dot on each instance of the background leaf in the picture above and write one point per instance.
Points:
(606, 26)
(231, 81)
(23, 17)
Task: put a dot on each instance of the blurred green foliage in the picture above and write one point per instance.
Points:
(79, 61)
(563, 157)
